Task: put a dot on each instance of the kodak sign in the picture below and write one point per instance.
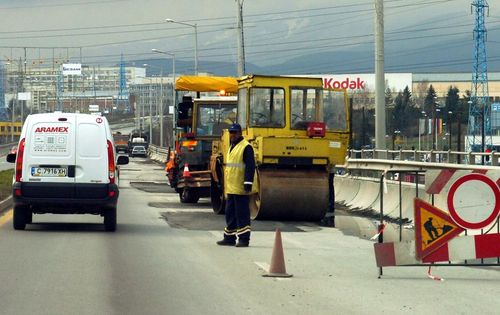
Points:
(51, 129)
(347, 83)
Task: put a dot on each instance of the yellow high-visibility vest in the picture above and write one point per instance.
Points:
(234, 171)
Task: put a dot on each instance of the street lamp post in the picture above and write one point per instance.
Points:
(449, 128)
(394, 135)
(420, 130)
(436, 121)
(195, 26)
(434, 126)
(173, 99)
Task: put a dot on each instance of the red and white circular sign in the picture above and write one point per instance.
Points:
(474, 201)
(98, 120)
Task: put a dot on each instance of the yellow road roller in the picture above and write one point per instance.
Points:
(298, 131)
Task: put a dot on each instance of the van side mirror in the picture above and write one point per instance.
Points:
(122, 160)
(11, 157)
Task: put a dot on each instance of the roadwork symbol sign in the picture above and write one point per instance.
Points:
(433, 228)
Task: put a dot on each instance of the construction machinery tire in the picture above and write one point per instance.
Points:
(189, 196)
(217, 198)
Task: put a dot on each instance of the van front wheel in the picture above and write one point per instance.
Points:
(20, 217)
(110, 219)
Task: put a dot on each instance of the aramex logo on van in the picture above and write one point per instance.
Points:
(52, 129)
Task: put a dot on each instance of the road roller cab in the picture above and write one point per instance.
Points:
(298, 131)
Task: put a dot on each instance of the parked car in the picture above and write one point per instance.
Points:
(138, 151)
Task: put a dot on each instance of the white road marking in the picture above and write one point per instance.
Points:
(262, 265)
(215, 234)
(265, 267)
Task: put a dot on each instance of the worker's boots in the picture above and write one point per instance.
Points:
(226, 242)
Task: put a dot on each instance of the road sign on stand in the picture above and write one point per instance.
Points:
(474, 201)
(433, 228)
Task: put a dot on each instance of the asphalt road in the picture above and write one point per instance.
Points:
(163, 260)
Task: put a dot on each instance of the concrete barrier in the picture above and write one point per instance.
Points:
(391, 199)
(368, 192)
(345, 189)
(158, 154)
(359, 193)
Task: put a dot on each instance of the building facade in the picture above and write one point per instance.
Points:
(45, 86)
(361, 87)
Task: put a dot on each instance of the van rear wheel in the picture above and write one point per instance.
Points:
(20, 217)
(110, 219)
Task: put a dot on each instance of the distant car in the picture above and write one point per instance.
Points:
(13, 150)
(138, 151)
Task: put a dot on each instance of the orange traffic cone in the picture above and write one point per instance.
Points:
(186, 172)
(277, 268)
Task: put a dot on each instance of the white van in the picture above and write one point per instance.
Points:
(65, 163)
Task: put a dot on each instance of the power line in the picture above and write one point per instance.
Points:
(31, 6)
(260, 15)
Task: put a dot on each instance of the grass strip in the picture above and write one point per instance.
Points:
(6, 183)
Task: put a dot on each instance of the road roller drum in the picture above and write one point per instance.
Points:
(297, 195)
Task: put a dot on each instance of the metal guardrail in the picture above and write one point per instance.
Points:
(5, 148)
(159, 154)
(386, 165)
(384, 160)
(421, 160)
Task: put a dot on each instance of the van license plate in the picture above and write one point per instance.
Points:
(49, 171)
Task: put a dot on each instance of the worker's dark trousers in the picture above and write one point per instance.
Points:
(237, 218)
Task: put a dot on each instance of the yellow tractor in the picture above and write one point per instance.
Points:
(298, 131)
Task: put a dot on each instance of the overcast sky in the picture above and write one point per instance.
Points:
(275, 30)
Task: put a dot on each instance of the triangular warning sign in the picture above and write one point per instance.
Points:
(433, 228)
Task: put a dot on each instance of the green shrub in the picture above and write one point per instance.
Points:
(6, 183)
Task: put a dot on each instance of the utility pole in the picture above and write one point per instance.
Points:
(479, 128)
(95, 92)
(12, 112)
(380, 128)
(22, 85)
(174, 107)
(241, 41)
(160, 111)
(150, 112)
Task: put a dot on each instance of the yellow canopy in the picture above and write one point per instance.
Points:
(206, 84)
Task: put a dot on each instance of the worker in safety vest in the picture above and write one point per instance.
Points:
(239, 174)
